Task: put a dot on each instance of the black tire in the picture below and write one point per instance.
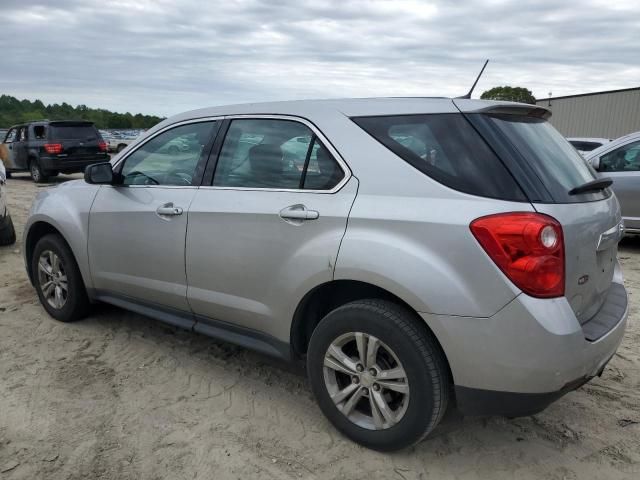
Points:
(77, 304)
(7, 232)
(37, 175)
(419, 354)
(8, 174)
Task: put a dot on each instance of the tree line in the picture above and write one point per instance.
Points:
(13, 111)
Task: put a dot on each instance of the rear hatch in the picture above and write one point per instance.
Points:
(78, 139)
(549, 170)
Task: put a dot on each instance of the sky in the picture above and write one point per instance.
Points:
(167, 56)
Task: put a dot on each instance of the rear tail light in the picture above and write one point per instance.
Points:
(54, 148)
(527, 247)
(102, 145)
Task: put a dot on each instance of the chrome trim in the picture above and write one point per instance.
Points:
(133, 147)
(325, 141)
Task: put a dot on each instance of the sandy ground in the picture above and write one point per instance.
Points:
(121, 396)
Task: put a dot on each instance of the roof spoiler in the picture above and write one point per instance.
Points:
(521, 109)
(524, 110)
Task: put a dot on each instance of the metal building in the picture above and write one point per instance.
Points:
(609, 114)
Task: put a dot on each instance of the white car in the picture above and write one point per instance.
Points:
(585, 145)
(7, 232)
(620, 161)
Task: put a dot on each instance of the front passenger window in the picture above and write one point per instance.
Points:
(170, 158)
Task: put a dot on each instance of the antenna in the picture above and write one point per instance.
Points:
(468, 95)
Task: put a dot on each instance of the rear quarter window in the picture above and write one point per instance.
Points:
(73, 132)
(446, 148)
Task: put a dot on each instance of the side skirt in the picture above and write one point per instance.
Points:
(218, 329)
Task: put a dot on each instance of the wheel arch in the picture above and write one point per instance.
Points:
(331, 295)
(36, 231)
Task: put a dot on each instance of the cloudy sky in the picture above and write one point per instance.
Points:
(167, 56)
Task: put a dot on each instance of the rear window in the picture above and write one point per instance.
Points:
(584, 146)
(73, 132)
(549, 155)
(446, 148)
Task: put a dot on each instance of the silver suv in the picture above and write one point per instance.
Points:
(415, 253)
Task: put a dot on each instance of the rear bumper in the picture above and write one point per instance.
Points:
(527, 355)
(70, 165)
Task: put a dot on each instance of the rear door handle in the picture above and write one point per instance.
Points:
(169, 209)
(298, 213)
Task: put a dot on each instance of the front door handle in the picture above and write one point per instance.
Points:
(298, 213)
(169, 209)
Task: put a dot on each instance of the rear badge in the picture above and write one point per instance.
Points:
(583, 279)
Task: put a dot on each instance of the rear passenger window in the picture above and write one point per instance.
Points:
(275, 154)
(446, 148)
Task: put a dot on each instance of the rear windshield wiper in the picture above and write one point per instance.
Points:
(592, 186)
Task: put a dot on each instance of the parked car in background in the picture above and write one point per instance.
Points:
(46, 148)
(584, 145)
(620, 161)
(7, 232)
(117, 142)
(428, 251)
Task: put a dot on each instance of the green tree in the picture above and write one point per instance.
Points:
(510, 94)
(13, 111)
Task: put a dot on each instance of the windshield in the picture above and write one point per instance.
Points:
(551, 157)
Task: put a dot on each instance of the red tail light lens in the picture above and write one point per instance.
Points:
(527, 247)
(102, 145)
(53, 148)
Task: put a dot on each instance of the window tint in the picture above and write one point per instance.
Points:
(584, 146)
(74, 132)
(282, 154)
(170, 158)
(446, 148)
(39, 132)
(623, 159)
(556, 163)
(11, 136)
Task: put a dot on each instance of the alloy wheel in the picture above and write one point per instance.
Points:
(35, 171)
(52, 279)
(366, 381)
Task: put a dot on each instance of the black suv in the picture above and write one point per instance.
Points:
(46, 148)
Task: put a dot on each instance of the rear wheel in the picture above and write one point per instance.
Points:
(37, 175)
(58, 280)
(378, 374)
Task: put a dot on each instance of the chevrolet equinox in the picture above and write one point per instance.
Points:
(414, 252)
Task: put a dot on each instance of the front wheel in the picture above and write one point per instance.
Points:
(58, 280)
(378, 374)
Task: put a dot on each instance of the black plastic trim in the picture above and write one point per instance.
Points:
(609, 315)
(474, 401)
(218, 329)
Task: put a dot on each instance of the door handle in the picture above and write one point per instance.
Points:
(298, 213)
(169, 209)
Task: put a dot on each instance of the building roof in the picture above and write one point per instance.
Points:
(587, 94)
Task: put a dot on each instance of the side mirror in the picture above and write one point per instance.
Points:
(99, 174)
